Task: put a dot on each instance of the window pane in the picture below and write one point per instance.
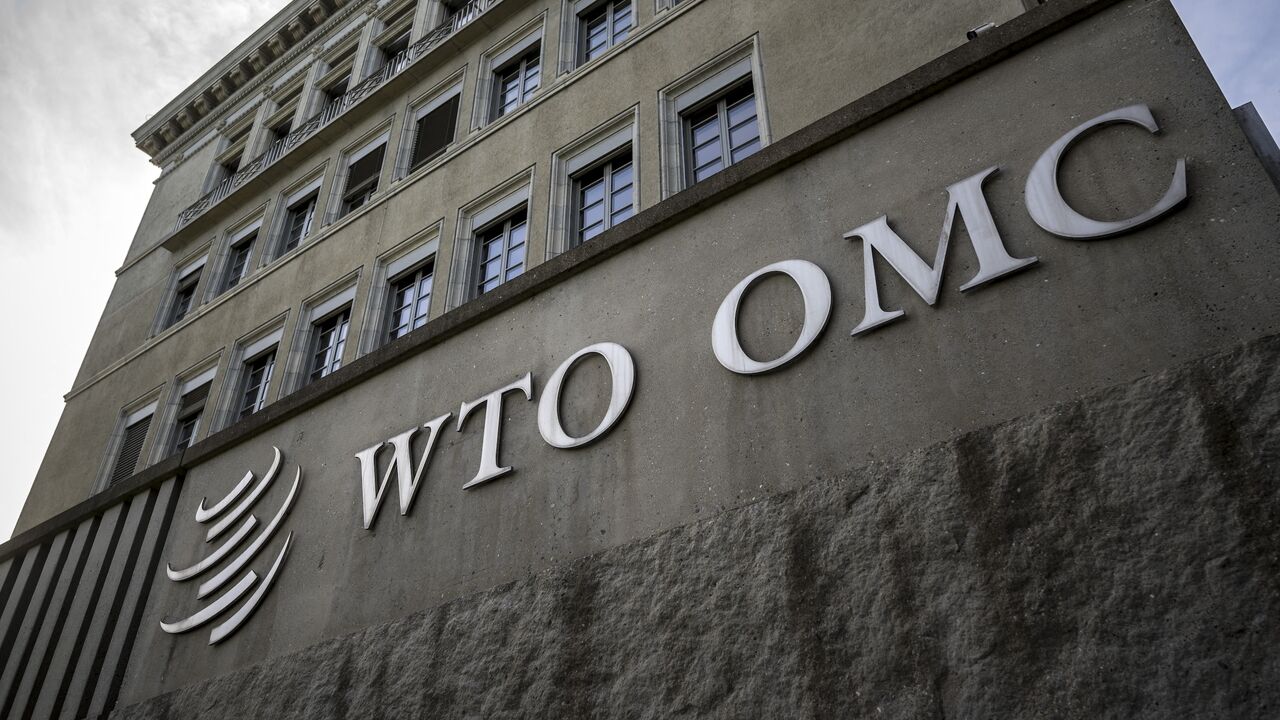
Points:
(748, 149)
(742, 110)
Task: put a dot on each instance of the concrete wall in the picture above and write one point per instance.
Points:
(858, 46)
(699, 440)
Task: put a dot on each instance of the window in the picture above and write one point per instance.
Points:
(255, 379)
(721, 133)
(362, 178)
(515, 82)
(603, 197)
(297, 222)
(237, 266)
(183, 298)
(328, 340)
(433, 131)
(392, 49)
(130, 450)
(333, 92)
(410, 300)
(501, 249)
(281, 130)
(187, 422)
(601, 27)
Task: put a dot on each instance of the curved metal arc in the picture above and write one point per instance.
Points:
(204, 514)
(248, 502)
(212, 584)
(213, 610)
(233, 623)
(214, 557)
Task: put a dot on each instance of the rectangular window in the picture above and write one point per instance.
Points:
(433, 132)
(602, 27)
(255, 379)
(237, 262)
(515, 82)
(281, 130)
(135, 434)
(393, 49)
(334, 91)
(362, 179)
(603, 197)
(328, 340)
(187, 422)
(410, 300)
(297, 222)
(183, 298)
(721, 133)
(501, 249)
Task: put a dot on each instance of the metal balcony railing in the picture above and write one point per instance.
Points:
(396, 65)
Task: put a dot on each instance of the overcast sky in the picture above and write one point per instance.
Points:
(78, 76)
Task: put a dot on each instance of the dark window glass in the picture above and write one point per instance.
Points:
(410, 301)
(328, 340)
(238, 262)
(501, 248)
(130, 450)
(362, 180)
(297, 223)
(515, 82)
(392, 50)
(605, 196)
(184, 297)
(721, 133)
(334, 92)
(603, 27)
(190, 409)
(433, 132)
(254, 381)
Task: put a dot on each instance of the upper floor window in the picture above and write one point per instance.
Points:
(187, 421)
(515, 82)
(255, 379)
(297, 221)
(501, 251)
(433, 130)
(238, 262)
(333, 92)
(328, 340)
(602, 26)
(391, 50)
(363, 170)
(410, 300)
(129, 449)
(604, 196)
(184, 293)
(721, 133)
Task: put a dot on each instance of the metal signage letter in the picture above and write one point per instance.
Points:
(994, 261)
(1050, 210)
(401, 463)
(815, 288)
(622, 371)
(489, 467)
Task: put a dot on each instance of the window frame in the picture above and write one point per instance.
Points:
(610, 11)
(506, 226)
(422, 271)
(719, 108)
(608, 168)
(525, 40)
(417, 110)
(518, 68)
(187, 277)
(341, 317)
(131, 415)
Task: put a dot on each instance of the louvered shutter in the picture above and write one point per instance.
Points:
(130, 450)
(193, 400)
(434, 132)
(365, 168)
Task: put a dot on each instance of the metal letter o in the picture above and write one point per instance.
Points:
(622, 370)
(815, 288)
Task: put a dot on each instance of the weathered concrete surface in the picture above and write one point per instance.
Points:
(1112, 556)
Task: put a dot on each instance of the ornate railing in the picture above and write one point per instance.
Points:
(396, 65)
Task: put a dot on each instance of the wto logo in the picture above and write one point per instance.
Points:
(248, 584)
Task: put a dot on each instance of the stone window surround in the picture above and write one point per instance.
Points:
(369, 142)
(193, 262)
(311, 182)
(424, 103)
(205, 371)
(261, 339)
(337, 295)
(423, 246)
(139, 409)
(502, 200)
(504, 51)
(703, 83)
(602, 142)
(238, 231)
(570, 24)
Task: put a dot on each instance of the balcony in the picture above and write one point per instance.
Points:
(460, 18)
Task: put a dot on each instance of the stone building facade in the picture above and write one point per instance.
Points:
(533, 358)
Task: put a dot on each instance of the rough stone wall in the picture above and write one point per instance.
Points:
(1114, 556)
